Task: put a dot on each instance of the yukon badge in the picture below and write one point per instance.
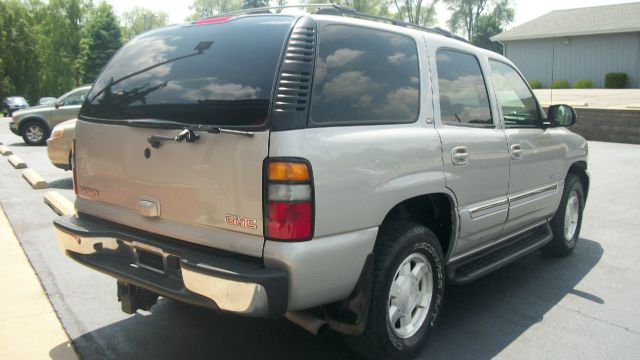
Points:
(88, 191)
(240, 221)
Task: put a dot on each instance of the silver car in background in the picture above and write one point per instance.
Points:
(35, 124)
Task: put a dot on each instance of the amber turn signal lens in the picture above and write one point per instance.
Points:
(288, 171)
(56, 134)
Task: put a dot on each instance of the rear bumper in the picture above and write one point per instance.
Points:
(58, 151)
(192, 274)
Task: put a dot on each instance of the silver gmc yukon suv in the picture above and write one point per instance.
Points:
(328, 167)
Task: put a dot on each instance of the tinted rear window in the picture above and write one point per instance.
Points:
(365, 76)
(217, 74)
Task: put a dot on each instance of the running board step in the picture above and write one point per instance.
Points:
(474, 266)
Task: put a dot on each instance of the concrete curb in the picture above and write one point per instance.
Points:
(36, 181)
(4, 150)
(30, 327)
(16, 162)
(59, 204)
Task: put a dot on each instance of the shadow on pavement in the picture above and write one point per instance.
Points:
(65, 183)
(63, 351)
(478, 321)
(482, 318)
(25, 145)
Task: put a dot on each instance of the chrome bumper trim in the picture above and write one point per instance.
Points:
(234, 296)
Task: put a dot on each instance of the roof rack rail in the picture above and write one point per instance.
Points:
(334, 9)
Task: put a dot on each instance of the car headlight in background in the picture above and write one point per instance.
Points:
(57, 133)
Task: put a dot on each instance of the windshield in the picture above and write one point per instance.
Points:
(17, 101)
(215, 74)
(73, 97)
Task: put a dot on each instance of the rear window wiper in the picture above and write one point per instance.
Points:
(217, 130)
(168, 124)
(187, 135)
(190, 135)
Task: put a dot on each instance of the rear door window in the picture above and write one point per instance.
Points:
(215, 74)
(365, 76)
(463, 94)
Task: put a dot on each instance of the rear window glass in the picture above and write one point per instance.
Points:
(216, 74)
(365, 76)
(463, 95)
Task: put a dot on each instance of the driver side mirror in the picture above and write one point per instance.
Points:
(560, 116)
(57, 105)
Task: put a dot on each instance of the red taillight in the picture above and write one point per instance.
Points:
(73, 167)
(289, 221)
(289, 200)
(213, 20)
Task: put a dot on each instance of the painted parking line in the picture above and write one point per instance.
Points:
(30, 328)
(59, 204)
(34, 179)
(16, 162)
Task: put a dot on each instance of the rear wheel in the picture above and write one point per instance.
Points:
(407, 293)
(567, 221)
(34, 133)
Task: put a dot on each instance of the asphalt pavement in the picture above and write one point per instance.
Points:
(628, 99)
(582, 306)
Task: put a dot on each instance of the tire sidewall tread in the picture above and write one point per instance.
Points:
(560, 245)
(395, 242)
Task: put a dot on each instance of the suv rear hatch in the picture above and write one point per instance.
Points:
(216, 79)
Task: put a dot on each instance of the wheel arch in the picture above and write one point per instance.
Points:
(37, 119)
(579, 168)
(435, 211)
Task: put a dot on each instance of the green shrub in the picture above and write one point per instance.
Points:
(535, 84)
(583, 84)
(560, 84)
(615, 80)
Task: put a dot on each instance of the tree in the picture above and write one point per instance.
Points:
(490, 25)
(59, 29)
(253, 4)
(19, 55)
(101, 39)
(139, 20)
(416, 12)
(465, 14)
(209, 8)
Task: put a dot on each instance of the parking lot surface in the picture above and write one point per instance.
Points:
(594, 98)
(582, 306)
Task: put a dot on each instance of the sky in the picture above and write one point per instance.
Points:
(526, 10)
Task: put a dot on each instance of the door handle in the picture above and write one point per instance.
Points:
(459, 155)
(516, 151)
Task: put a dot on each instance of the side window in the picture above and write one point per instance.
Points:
(519, 107)
(75, 98)
(365, 76)
(463, 94)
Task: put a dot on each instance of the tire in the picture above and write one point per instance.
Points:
(401, 244)
(567, 221)
(34, 133)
